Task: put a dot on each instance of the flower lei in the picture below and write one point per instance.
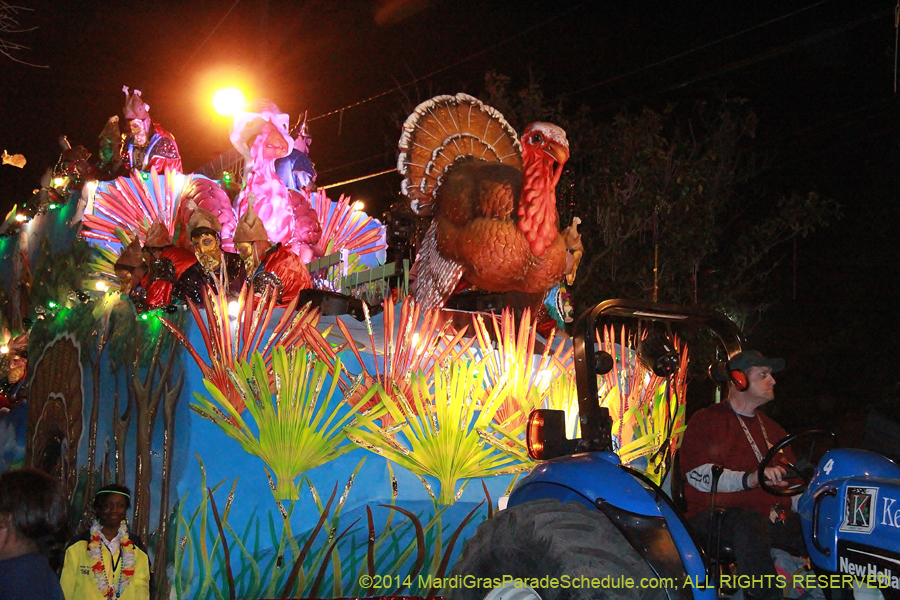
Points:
(126, 555)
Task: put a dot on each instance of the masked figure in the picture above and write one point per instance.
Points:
(262, 138)
(130, 271)
(296, 170)
(224, 268)
(268, 265)
(148, 145)
(174, 273)
(109, 165)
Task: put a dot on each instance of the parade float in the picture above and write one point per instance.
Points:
(295, 417)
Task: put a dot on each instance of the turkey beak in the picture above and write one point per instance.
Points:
(559, 154)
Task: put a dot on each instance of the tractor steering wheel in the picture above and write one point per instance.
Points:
(799, 474)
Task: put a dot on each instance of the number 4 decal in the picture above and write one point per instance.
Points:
(828, 466)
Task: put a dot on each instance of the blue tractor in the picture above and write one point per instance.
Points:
(583, 525)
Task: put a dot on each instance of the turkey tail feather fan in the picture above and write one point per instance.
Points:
(443, 130)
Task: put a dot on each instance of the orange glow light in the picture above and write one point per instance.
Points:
(229, 101)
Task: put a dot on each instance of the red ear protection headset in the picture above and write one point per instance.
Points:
(739, 379)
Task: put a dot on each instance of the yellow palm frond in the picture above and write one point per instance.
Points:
(437, 432)
(294, 429)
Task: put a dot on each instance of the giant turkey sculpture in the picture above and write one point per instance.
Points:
(493, 200)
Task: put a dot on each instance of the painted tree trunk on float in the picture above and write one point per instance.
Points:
(95, 362)
(147, 395)
(121, 421)
(55, 411)
(170, 404)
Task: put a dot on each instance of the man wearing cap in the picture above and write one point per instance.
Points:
(268, 265)
(219, 267)
(174, 273)
(148, 145)
(736, 435)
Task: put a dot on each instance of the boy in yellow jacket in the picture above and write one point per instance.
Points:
(106, 562)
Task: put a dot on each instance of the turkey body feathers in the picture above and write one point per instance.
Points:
(476, 227)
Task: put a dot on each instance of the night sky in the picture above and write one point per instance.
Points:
(819, 75)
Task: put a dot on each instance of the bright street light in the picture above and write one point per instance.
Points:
(229, 101)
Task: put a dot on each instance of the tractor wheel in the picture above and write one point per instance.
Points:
(547, 539)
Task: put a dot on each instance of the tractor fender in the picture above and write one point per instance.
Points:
(841, 463)
(639, 509)
(590, 476)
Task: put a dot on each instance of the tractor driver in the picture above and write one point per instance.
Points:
(736, 435)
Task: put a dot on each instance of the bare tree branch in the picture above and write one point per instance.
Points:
(9, 25)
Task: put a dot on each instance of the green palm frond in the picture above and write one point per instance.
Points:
(658, 426)
(525, 380)
(230, 337)
(513, 364)
(437, 432)
(510, 436)
(295, 431)
(648, 416)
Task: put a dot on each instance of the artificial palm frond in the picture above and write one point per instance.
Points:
(513, 365)
(102, 267)
(423, 341)
(102, 263)
(344, 227)
(648, 416)
(439, 432)
(563, 395)
(232, 334)
(133, 203)
(295, 430)
(658, 425)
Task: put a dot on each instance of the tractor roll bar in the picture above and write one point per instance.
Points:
(595, 421)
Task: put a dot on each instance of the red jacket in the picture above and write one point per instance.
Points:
(285, 270)
(175, 274)
(714, 435)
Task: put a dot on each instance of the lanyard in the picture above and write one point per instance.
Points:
(750, 439)
(114, 559)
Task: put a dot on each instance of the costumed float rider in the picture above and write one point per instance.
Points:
(130, 271)
(109, 165)
(219, 267)
(267, 264)
(148, 145)
(736, 435)
(174, 273)
(74, 164)
(296, 170)
(107, 561)
(16, 369)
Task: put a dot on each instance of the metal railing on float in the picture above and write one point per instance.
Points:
(337, 272)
